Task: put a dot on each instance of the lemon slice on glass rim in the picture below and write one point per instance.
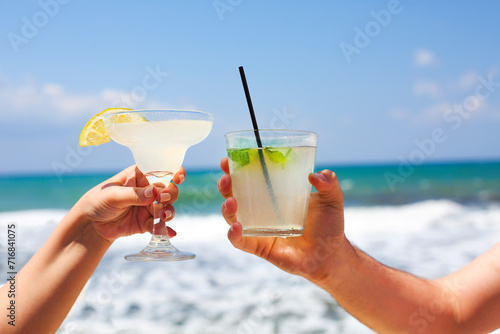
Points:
(94, 133)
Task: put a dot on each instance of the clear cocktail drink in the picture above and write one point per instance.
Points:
(270, 184)
(158, 140)
(159, 146)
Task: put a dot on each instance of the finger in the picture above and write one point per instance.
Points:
(160, 185)
(122, 197)
(235, 235)
(124, 177)
(145, 220)
(328, 187)
(140, 179)
(167, 213)
(224, 165)
(170, 194)
(155, 210)
(171, 233)
(224, 185)
(228, 210)
(148, 227)
(179, 176)
(132, 177)
(260, 247)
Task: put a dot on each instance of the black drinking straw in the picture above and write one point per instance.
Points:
(259, 143)
(250, 107)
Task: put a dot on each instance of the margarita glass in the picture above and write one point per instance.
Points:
(158, 140)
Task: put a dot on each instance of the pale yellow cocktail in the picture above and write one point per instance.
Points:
(270, 184)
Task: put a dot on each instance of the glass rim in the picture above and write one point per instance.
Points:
(304, 132)
(159, 111)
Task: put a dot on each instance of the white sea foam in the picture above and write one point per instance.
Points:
(226, 291)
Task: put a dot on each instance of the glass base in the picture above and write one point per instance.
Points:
(160, 250)
(270, 232)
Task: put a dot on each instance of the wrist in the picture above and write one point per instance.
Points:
(338, 259)
(80, 230)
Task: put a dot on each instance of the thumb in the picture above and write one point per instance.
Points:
(134, 196)
(328, 187)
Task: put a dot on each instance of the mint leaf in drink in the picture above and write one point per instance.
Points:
(278, 156)
(240, 156)
(244, 156)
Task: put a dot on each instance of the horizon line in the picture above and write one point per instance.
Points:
(200, 169)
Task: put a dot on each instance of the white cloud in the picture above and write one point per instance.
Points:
(468, 80)
(48, 101)
(469, 107)
(38, 101)
(424, 58)
(426, 88)
(433, 114)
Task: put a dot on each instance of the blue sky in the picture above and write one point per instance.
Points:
(379, 81)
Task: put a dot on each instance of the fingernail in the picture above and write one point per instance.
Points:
(166, 214)
(181, 178)
(165, 197)
(321, 177)
(149, 192)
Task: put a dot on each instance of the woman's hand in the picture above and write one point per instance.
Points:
(123, 205)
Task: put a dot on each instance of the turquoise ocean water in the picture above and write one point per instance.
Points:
(462, 182)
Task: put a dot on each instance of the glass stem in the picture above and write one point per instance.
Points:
(159, 227)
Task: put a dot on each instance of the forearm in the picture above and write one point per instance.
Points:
(50, 282)
(385, 299)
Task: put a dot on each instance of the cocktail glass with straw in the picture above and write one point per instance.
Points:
(158, 140)
(272, 201)
(269, 170)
